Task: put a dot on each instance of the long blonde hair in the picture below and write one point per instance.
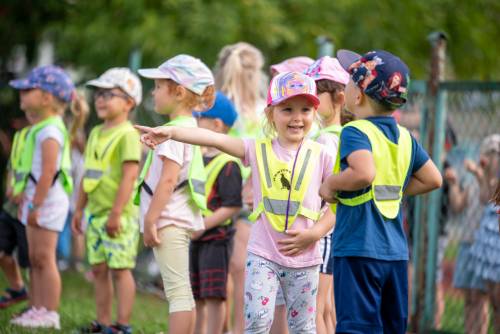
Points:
(238, 74)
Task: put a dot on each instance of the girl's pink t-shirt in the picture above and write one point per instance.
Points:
(263, 238)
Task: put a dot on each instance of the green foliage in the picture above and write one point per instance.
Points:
(99, 34)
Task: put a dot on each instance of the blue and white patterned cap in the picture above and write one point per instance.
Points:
(185, 70)
(50, 78)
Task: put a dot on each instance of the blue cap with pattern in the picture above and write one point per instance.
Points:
(51, 79)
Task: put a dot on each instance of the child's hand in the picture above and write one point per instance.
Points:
(151, 236)
(197, 234)
(473, 168)
(299, 241)
(450, 175)
(154, 136)
(76, 222)
(327, 193)
(17, 199)
(113, 225)
(33, 218)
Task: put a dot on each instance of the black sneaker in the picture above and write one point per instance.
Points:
(12, 297)
(117, 329)
(93, 327)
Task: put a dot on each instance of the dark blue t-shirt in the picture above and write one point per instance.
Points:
(361, 230)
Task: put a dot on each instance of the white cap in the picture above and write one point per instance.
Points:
(120, 77)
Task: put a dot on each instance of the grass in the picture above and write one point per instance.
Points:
(77, 308)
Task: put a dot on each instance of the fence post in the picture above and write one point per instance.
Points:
(436, 122)
(325, 46)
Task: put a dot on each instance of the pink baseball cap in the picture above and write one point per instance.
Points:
(295, 64)
(290, 84)
(328, 68)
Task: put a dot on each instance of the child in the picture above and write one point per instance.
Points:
(286, 174)
(13, 232)
(172, 182)
(330, 79)
(111, 167)
(294, 64)
(210, 249)
(485, 251)
(239, 76)
(44, 181)
(378, 162)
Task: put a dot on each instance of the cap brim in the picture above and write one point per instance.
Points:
(153, 73)
(312, 98)
(99, 84)
(346, 58)
(21, 84)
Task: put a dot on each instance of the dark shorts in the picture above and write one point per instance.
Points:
(209, 266)
(12, 237)
(371, 295)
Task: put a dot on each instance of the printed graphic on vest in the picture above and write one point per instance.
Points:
(282, 177)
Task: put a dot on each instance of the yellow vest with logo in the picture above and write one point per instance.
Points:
(213, 169)
(23, 170)
(97, 163)
(281, 199)
(391, 164)
(17, 152)
(196, 175)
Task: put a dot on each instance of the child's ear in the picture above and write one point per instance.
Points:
(219, 124)
(47, 99)
(180, 92)
(340, 100)
(360, 97)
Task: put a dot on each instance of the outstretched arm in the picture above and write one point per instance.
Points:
(195, 136)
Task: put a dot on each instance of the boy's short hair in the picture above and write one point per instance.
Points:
(382, 76)
(222, 109)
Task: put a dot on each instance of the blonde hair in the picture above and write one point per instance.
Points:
(238, 75)
(194, 101)
(79, 111)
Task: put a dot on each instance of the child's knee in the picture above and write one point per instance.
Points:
(40, 259)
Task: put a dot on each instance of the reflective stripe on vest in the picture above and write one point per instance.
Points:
(276, 186)
(23, 172)
(196, 175)
(98, 164)
(213, 169)
(387, 188)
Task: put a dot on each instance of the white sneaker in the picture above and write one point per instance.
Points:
(23, 317)
(49, 319)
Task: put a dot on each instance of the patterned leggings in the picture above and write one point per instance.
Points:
(299, 285)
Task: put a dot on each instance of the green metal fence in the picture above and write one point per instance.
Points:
(451, 125)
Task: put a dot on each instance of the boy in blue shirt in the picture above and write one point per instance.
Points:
(378, 162)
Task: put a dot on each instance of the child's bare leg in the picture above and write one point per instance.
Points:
(476, 311)
(182, 322)
(494, 293)
(215, 315)
(331, 305)
(125, 292)
(43, 262)
(12, 272)
(237, 270)
(103, 290)
(201, 317)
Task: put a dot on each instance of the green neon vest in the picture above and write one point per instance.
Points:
(391, 163)
(23, 172)
(333, 129)
(98, 164)
(213, 169)
(196, 176)
(16, 153)
(275, 184)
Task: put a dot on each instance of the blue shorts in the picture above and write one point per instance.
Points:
(325, 248)
(371, 295)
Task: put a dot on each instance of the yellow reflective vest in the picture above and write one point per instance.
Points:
(391, 164)
(213, 169)
(196, 175)
(97, 163)
(283, 186)
(23, 170)
(17, 153)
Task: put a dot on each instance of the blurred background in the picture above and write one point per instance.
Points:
(451, 47)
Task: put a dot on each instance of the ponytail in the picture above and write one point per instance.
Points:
(80, 112)
(206, 99)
